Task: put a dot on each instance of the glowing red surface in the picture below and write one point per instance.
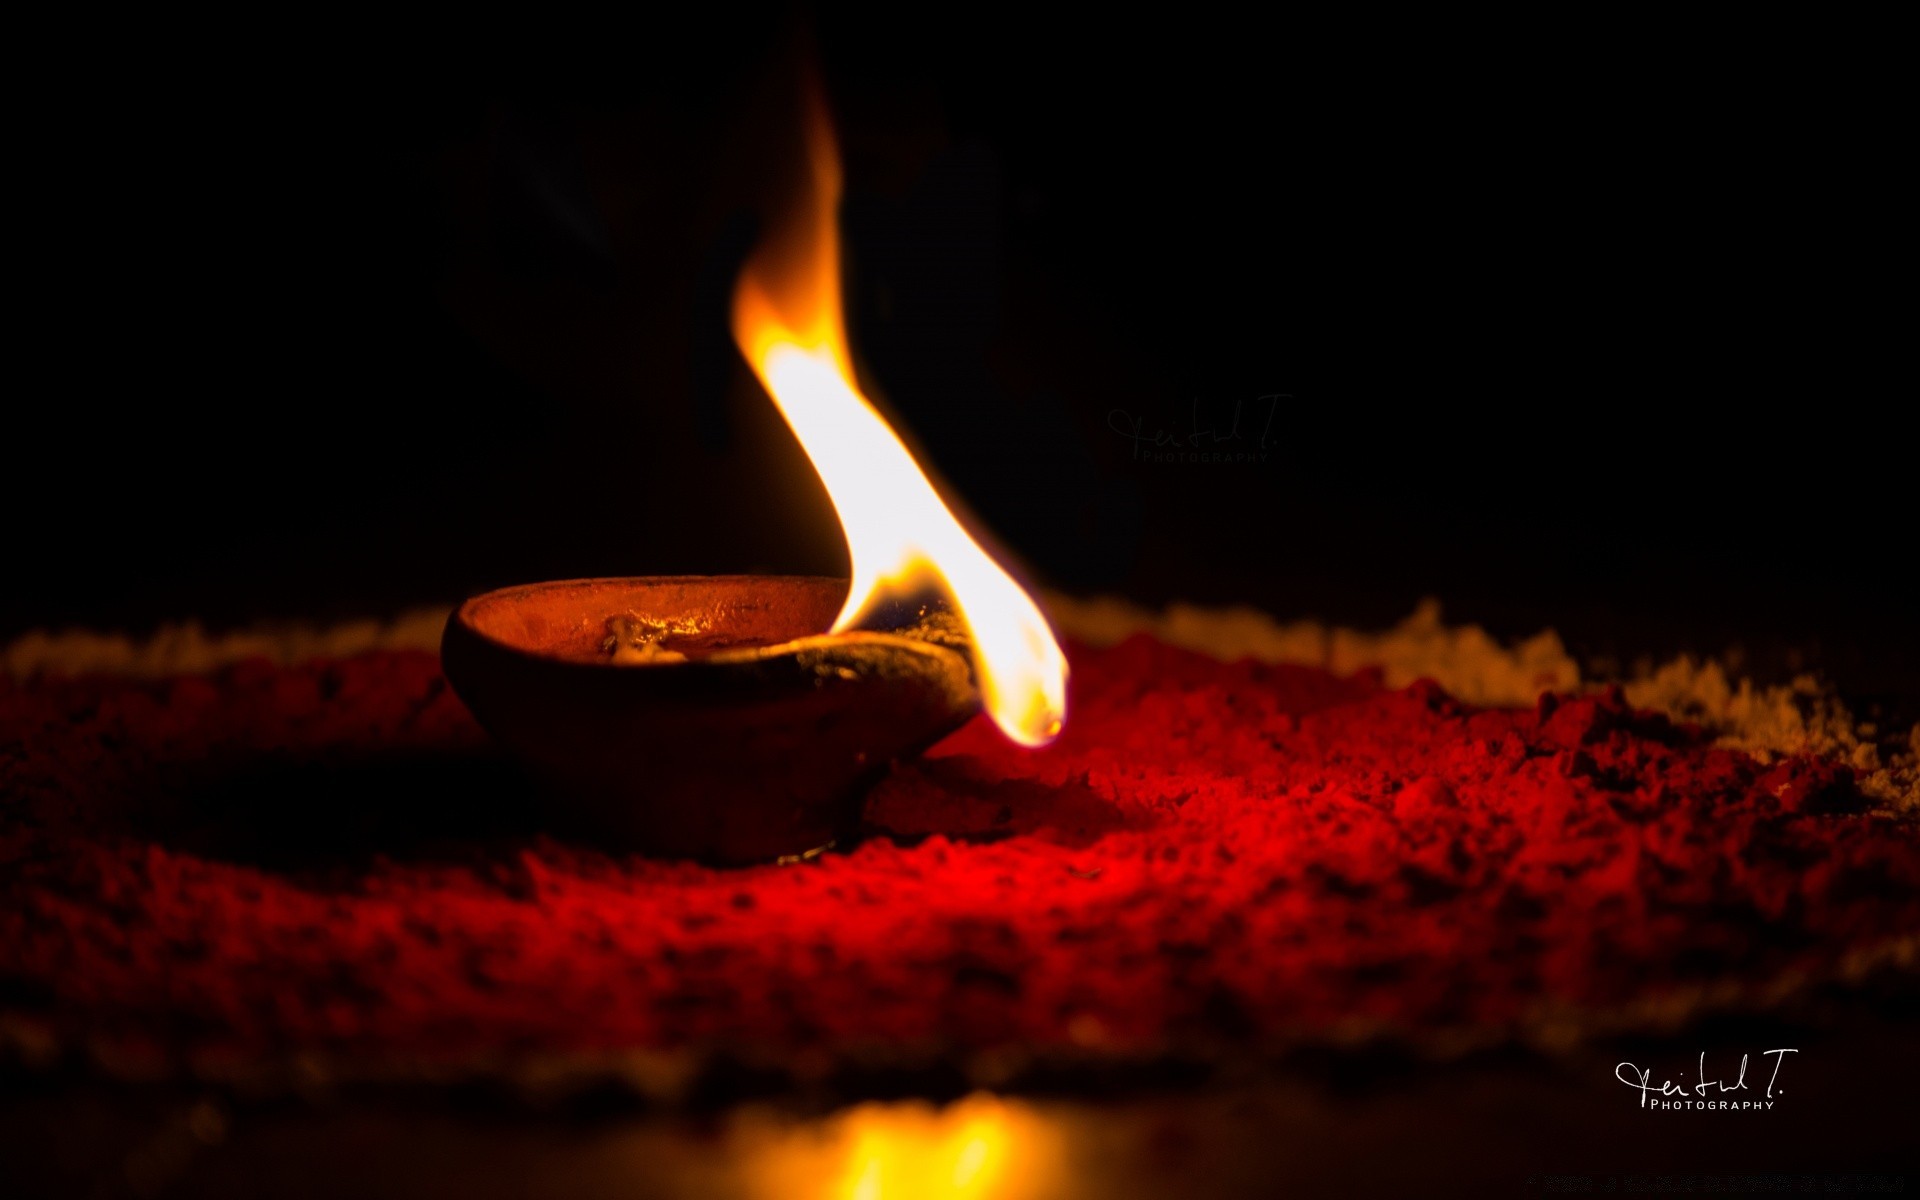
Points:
(273, 859)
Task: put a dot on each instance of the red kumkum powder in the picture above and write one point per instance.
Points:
(1227, 850)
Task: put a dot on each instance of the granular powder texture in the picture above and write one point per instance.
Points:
(327, 858)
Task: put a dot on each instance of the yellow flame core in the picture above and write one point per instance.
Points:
(900, 536)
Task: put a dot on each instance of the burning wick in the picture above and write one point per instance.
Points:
(901, 538)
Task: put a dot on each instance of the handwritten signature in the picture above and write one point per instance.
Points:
(1705, 1092)
(1201, 441)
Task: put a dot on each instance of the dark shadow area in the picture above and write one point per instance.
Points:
(316, 819)
(951, 798)
(1317, 320)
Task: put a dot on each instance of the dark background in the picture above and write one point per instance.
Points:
(1578, 327)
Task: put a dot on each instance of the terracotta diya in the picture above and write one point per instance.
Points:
(704, 717)
(740, 718)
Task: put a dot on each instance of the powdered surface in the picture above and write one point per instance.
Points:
(328, 857)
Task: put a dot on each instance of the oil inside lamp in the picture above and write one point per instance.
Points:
(741, 718)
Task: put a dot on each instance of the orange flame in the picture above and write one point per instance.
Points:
(787, 320)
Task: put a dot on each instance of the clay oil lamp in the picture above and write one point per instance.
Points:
(737, 719)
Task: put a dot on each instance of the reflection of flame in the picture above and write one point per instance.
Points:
(964, 1156)
(978, 1148)
(901, 538)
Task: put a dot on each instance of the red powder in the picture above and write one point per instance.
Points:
(325, 857)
